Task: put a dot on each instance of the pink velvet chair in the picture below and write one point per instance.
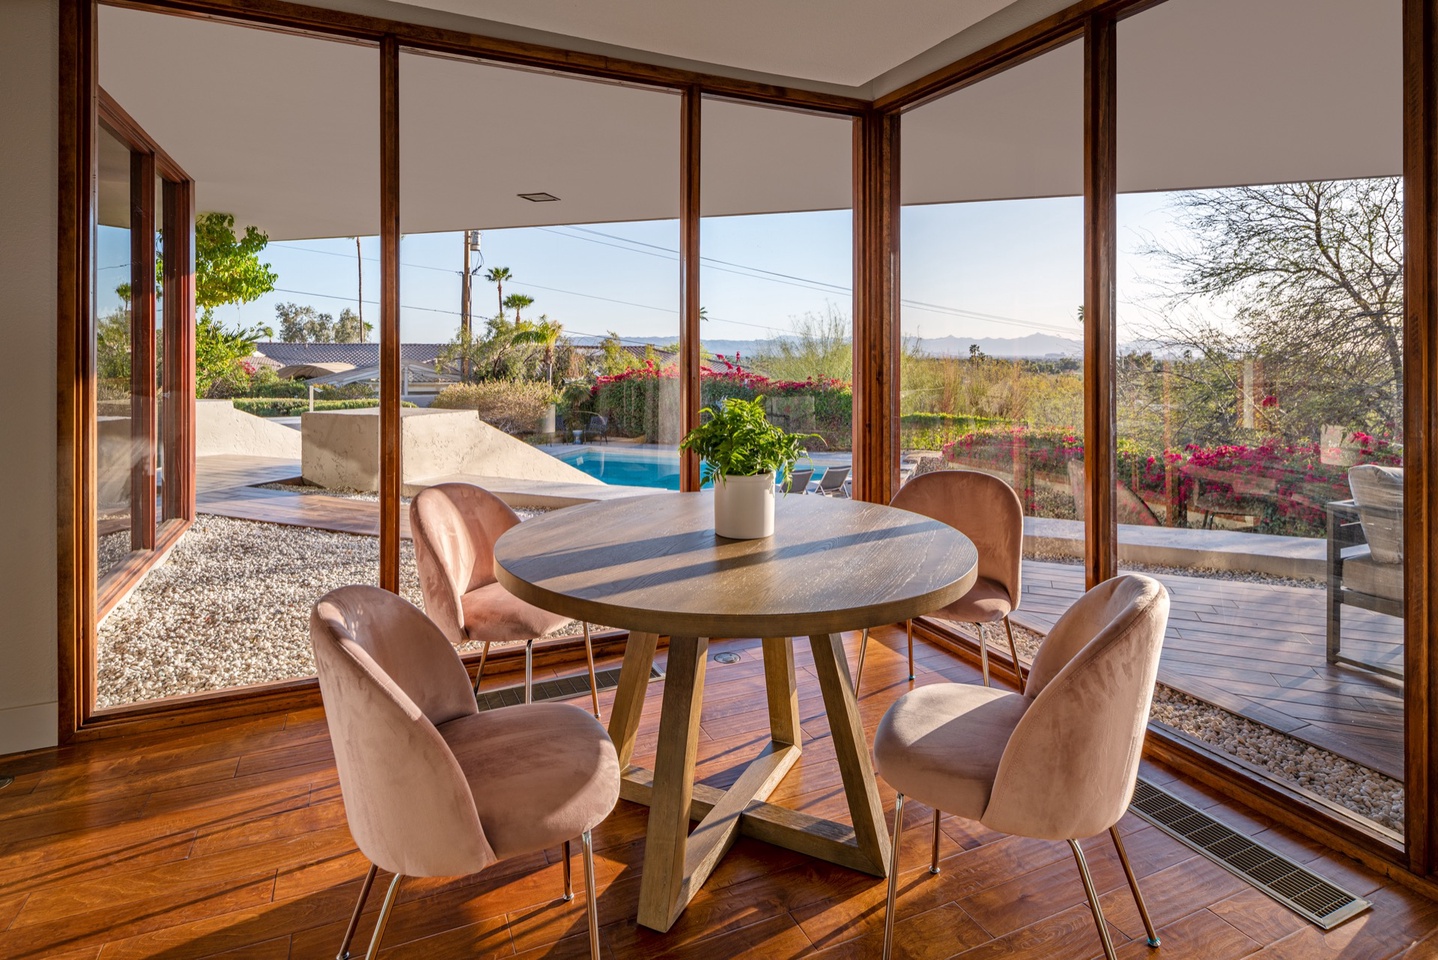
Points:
(1056, 762)
(432, 787)
(454, 526)
(987, 511)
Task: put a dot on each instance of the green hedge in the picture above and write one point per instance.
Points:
(293, 407)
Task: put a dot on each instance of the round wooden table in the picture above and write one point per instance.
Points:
(653, 565)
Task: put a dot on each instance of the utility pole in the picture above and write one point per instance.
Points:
(470, 246)
(359, 266)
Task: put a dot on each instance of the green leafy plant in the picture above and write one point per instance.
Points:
(738, 440)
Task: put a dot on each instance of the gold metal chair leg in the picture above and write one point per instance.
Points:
(593, 904)
(479, 674)
(528, 671)
(1153, 940)
(934, 860)
(344, 953)
(1093, 901)
(983, 651)
(1014, 652)
(909, 629)
(568, 875)
(893, 879)
(863, 649)
(593, 683)
(383, 920)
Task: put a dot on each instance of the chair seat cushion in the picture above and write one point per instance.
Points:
(1366, 575)
(493, 613)
(541, 773)
(986, 602)
(941, 744)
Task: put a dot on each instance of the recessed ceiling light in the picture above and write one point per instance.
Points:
(537, 197)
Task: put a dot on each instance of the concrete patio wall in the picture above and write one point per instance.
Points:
(221, 430)
(341, 450)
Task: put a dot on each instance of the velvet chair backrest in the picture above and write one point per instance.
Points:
(983, 508)
(454, 526)
(1069, 768)
(388, 677)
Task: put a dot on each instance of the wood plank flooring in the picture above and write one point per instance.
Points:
(1257, 649)
(230, 840)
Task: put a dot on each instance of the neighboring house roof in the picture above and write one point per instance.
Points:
(636, 350)
(354, 354)
(413, 372)
(307, 371)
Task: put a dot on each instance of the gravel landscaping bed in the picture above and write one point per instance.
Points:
(1352, 786)
(230, 606)
(1205, 573)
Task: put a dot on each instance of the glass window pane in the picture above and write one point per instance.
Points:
(115, 447)
(776, 276)
(539, 284)
(991, 375)
(284, 163)
(1260, 378)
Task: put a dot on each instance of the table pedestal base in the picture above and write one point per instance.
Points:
(676, 861)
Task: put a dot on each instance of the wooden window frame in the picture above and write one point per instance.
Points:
(876, 189)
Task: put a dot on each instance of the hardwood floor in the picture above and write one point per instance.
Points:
(230, 841)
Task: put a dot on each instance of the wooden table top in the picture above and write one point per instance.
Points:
(654, 564)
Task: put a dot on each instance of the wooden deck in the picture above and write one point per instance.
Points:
(230, 840)
(1258, 650)
(1252, 648)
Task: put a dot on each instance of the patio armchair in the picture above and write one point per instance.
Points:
(598, 428)
(1365, 555)
(454, 526)
(432, 787)
(833, 482)
(1056, 762)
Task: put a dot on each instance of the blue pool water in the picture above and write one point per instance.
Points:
(646, 467)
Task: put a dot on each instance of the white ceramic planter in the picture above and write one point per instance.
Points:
(744, 507)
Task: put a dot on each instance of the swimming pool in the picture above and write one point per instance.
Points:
(625, 466)
(646, 466)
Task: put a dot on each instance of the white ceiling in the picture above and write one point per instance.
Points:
(283, 132)
(837, 41)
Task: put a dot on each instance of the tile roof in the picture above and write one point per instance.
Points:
(355, 354)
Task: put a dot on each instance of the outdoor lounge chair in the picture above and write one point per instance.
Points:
(798, 481)
(832, 483)
(1365, 554)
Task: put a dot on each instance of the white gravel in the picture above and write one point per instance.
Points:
(1354, 787)
(230, 607)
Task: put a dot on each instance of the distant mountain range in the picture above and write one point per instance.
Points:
(1035, 346)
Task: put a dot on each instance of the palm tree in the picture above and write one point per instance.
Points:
(518, 301)
(546, 334)
(497, 276)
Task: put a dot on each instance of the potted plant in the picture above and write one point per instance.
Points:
(742, 452)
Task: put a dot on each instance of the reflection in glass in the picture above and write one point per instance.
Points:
(113, 338)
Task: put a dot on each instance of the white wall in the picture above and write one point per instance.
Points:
(29, 58)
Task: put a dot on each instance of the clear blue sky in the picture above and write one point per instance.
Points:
(993, 269)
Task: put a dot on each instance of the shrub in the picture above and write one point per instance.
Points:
(514, 406)
(294, 406)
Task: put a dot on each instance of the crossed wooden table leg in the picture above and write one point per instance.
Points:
(676, 861)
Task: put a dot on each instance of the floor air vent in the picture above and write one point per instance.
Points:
(562, 688)
(1294, 886)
